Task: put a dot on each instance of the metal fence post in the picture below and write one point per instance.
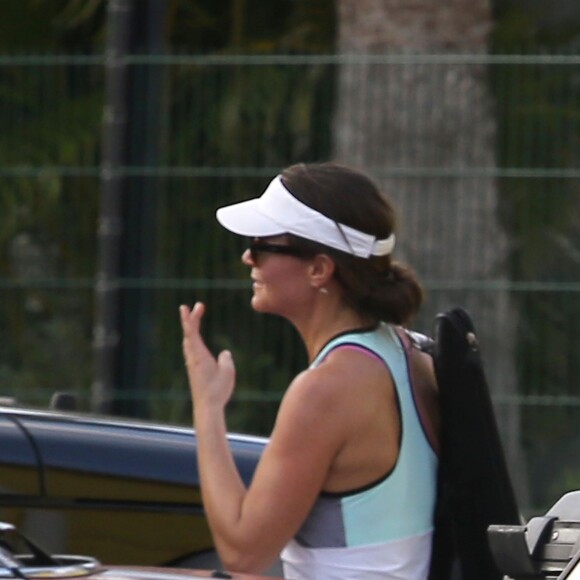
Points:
(126, 219)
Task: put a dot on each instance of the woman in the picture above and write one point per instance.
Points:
(346, 486)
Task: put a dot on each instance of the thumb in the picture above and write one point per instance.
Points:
(226, 364)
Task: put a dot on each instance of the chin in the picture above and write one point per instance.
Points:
(261, 305)
(257, 304)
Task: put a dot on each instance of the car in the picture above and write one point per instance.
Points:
(124, 491)
(21, 557)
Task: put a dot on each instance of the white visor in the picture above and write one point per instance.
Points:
(278, 212)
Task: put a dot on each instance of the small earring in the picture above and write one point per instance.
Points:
(323, 290)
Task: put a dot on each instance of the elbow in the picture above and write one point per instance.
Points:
(244, 561)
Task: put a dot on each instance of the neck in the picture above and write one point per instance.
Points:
(329, 318)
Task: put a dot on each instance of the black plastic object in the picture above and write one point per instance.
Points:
(547, 547)
(514, 547)
(475, 489)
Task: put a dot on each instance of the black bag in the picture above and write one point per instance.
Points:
(474, 489)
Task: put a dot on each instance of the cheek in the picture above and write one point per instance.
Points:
(281, 284)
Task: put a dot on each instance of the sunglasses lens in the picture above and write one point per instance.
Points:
(257, 248)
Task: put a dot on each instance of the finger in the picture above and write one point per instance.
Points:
(191, 319)
(226, 365)
(226, 360)
(194, 347)
(183, 315)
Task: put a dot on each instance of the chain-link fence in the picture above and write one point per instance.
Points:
(479, 152)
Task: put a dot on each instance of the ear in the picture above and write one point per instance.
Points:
(321, 269)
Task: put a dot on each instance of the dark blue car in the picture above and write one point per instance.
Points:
(125, 492)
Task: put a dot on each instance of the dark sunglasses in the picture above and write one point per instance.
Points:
(259, 247)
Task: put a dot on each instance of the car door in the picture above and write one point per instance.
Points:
(20, 473)
(121, 493)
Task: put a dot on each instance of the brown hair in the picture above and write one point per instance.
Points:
(378, 287)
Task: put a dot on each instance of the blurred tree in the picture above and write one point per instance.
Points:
(55, 122)
(50, 118)
(436, 121)
(541, 129)
(521, 24)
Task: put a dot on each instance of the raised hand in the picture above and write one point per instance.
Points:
(211, 380)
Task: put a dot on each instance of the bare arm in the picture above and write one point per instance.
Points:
(251, 526)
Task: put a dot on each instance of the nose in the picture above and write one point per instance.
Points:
(247, 258)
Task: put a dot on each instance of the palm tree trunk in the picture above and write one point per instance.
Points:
(426, 131)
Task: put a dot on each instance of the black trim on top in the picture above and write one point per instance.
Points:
(362, 488)
(361, 330)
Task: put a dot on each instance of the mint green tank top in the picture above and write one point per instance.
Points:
(401, 504)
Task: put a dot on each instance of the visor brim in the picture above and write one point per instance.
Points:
(245, 219)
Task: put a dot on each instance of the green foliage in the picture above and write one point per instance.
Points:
(25, 26)
(522, 25)
(226, 125)
(251, 26)
(47, 220)
(54, 124)
(540, 130)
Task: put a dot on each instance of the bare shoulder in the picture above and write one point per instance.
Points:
(329, 386)
(309, 417)
(312, 390)
(340, 365)
(346, 365)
